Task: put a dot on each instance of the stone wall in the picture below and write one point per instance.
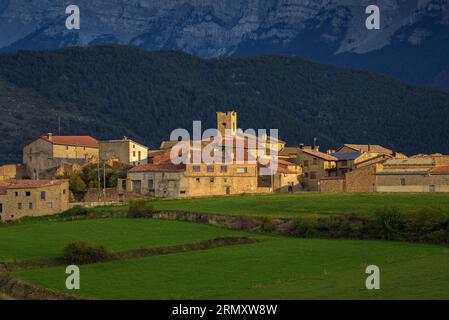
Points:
(95, 195)
(332, 185)
(361, 180)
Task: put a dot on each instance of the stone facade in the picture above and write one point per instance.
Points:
(315, 166)
(12, 171)
(22, 198)
(333, 185)
(124, 151)
(49, 152)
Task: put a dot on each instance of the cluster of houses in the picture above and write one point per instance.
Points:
(30, 188)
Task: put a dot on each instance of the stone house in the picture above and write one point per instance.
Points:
(361, 148)
(32, 198)
(315, 166)
(12, 171)
(345, 161)
(413, 175)
(362, 178)
(49, 152)
(157, 180)
(124, 151)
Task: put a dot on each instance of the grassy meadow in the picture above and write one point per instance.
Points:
(274, 268)
(300, 204)
(46, 240)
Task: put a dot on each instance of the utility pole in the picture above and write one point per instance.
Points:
(98, 180)
(104, 182)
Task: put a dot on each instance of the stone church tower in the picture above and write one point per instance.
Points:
(227, 120)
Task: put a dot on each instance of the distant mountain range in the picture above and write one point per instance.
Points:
(116, 91)
(413, 43)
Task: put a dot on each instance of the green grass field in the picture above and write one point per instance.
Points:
(301, 204)
(276, 268)
(42, 239)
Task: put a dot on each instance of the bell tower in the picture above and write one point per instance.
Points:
(227, 121)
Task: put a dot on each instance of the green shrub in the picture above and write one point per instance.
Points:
(391, 222)
(140, 209)
(267, 225)
(83, 253)
(425, 220)
(77, 211)
(77, 185)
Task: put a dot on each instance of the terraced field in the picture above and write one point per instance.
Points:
(273, 268)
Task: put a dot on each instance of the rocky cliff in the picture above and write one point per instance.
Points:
(330, 31)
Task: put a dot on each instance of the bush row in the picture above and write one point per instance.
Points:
(424, 225)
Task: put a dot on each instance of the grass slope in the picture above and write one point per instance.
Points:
(275, 268)
(300, 204)
(42, 239)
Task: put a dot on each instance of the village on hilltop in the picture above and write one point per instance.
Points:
(42, 184)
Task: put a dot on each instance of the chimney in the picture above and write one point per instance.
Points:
(369, 147)
(50, 136)
(301, 146)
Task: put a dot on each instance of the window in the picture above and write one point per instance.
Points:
(224, 169)
(134, 153)
(150, 184)
(313, 175)
(402, 181)
(140, 155)
(30, 206)
(50, 205)
(63, 191)
(306, 163)
(17, 194)
(315, 161)
(212, 180)
(1, 207)
(242, 170)
(182, 192)
(28, 194)
(196, 168)
(198, 180)
(306, 175)
(344, 163)
(67, 148)
(19, 206)
(43, 195)
(210, 168)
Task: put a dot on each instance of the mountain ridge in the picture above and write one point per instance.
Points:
(112, 91)
(325, 31)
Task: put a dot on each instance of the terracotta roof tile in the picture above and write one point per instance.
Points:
(27, 184)
(319, 154)
(440, 170)
(165, 167)
(81, 141)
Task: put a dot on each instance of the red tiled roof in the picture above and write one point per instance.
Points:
(440, 170)
(319, 154)
(165, 167)
(80, 141)
(28, 184)
(286, 162)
